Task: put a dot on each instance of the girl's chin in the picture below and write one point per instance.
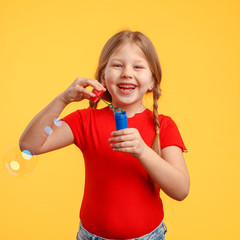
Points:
(124, 102)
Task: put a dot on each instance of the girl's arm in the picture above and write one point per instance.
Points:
(169, 171)
(61, 136)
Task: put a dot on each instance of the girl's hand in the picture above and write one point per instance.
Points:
(77, 90)
(128, 140)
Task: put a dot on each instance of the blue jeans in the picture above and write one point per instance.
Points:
(157, 234)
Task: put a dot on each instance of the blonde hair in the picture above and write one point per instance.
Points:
(145, 44)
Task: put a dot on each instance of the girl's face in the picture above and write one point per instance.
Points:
(128, 77)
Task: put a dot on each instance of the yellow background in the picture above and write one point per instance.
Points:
(45, 45)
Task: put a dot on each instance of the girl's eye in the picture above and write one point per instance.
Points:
(117, 65)
(139, 67)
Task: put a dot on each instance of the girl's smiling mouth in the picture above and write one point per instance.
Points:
(126, 88)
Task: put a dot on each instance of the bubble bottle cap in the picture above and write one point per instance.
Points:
(120, 115)
(98, 95)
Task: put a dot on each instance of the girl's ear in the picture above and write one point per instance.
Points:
(150, 87)
(103, 80)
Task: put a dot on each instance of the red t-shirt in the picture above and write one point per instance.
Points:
(120, 199)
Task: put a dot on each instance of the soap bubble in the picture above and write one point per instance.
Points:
(20, 162)
(57, 122)
(48, 130)
(26, 154)
(14, 165)
(48, 123)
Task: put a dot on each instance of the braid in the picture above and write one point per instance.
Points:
(93, 104)
(156, 142)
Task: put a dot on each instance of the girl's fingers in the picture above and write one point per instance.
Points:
(121, 138)
(77, 90)
(126, 150)
(86, 92)
(127, 140)
(85, 82)
(123, 144)
(125, 131)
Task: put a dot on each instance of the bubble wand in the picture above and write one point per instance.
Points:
(119, 116)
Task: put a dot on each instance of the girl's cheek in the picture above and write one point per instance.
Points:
(107, 75)
(110, 78)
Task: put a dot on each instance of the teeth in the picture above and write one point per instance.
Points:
(129, 87)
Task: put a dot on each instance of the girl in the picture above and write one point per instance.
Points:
(125, 169)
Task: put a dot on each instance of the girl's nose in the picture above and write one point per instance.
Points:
(127, 72)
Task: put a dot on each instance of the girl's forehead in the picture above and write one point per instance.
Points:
(127, 49)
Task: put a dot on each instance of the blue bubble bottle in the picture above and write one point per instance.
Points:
(121, 120)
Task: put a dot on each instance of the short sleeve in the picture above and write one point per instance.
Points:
(76, 121)
(169, 133)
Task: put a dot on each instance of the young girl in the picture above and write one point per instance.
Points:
(125, 169)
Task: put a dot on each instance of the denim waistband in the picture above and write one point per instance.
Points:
(156, 234)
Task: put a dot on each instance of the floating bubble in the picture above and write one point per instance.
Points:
(20, 162)
(57, 122)
(48, 123)
(26, 154)
(48, 130)
(14, 165)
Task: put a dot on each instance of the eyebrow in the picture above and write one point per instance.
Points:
(120, 60)
(116, 59)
